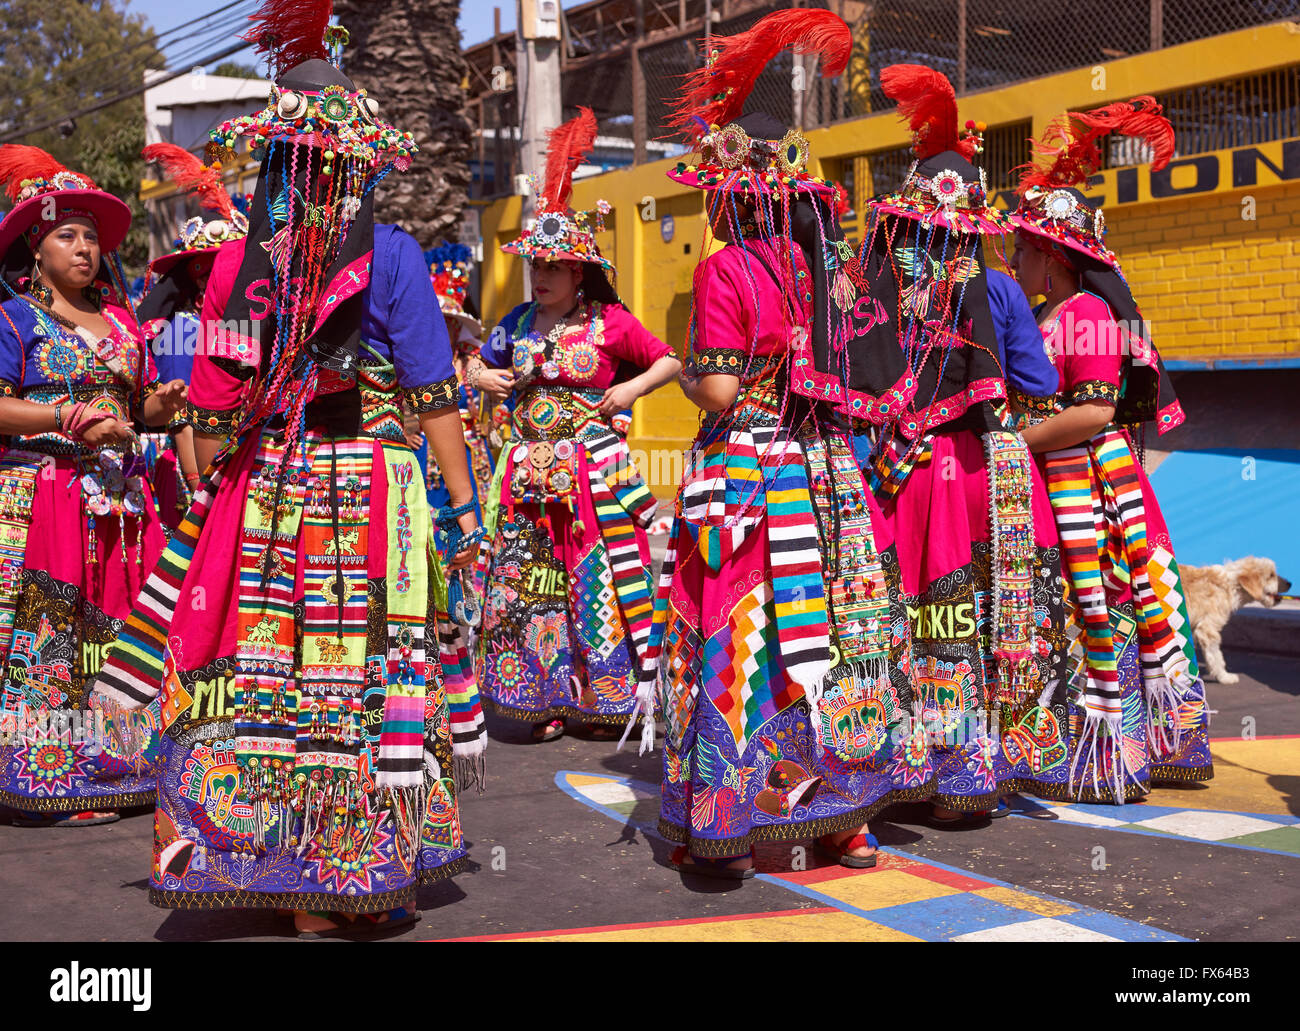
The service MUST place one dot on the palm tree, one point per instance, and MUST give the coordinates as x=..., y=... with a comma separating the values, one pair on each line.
x=407, y=55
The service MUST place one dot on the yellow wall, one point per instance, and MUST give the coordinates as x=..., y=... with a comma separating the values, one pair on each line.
x=1212, y=283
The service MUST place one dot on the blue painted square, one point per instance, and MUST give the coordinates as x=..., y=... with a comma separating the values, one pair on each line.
x=1118, y=927
x=1127, y=813
x=942, y=919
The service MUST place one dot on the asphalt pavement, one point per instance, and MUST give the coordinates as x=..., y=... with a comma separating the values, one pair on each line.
x=545, y=862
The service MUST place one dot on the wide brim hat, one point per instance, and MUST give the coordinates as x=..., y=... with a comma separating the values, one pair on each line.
x=556, y=236
x=1051, y=206
x=1065, y=217
x=943, y=187
x=559, y=233
x=111, y=216
x=753, y=153
x=205, y=238
x=947, y=191
x=736, y=159
x=202, y=234
x=315, y=104
x=451, y=309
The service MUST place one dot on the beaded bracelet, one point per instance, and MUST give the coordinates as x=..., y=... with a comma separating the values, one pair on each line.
x=58, y=417
x=450, y=535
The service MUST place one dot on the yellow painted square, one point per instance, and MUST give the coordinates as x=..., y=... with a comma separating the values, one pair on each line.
x=579, y=780
x=1028, y=903
x=882, y=888
x=811, y=927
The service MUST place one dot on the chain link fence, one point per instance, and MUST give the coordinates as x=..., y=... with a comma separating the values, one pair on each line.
x=978, y=44
x=665, y=64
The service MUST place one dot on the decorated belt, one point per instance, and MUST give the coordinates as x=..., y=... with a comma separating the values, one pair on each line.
x=542, y=471
x=348, y=414
x=560, y=413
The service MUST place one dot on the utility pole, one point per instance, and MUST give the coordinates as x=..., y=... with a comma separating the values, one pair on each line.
x=537, y=45
x=537, y=94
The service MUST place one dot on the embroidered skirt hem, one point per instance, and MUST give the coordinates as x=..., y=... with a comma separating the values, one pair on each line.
x=322, y=901
x=816, y=827
x=76, y=803
x=558, y=712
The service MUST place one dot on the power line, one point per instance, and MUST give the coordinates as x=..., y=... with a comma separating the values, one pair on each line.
x=18, y=134
x=151, y=41
x=192, y=51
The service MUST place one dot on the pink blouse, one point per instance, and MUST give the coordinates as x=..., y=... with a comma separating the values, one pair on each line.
x=739, y=308
x=586, y=356
x=1088, y=350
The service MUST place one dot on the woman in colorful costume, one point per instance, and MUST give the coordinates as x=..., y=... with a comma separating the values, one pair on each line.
x=1138, y=713
x=778, y=656
x=977, y=547
x=169, y=312
x=567, y=610
x=448, y=274
x=308, y=744
x=80, y=533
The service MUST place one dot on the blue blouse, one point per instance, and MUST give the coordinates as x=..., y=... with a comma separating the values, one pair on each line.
x=1025, y=363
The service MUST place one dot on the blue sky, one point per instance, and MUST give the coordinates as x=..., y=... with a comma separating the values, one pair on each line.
x=475, y=15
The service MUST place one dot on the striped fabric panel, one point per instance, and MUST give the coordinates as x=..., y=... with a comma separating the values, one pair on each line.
x=265, y=663
x=651, y=655
x=631, y=577
x=796, y=566
x=1160, y=650
x=401, y=736
x=1080, y=519
x=468, y=729
x=133, y=668
x=609, y=453
x=17, y=491
x=333, y=657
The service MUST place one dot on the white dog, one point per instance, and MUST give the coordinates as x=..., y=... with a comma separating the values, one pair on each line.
x=1214, y=593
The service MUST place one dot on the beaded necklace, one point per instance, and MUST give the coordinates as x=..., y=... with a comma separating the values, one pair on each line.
x=529, y=345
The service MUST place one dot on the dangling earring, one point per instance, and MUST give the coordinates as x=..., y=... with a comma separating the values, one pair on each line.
x=1049, y=282
x=41, y=293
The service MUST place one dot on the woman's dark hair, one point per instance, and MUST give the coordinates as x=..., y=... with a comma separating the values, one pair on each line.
x=595, y=285
x=1098, y=278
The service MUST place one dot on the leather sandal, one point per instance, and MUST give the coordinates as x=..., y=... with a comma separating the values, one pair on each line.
x=840, y=852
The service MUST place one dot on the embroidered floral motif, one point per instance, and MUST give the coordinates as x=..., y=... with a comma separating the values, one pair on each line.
x=1094, y=390
x=1037, y=408
x=433, y=397
x=217, y=421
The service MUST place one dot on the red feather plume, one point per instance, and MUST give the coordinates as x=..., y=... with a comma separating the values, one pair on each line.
x=928, y=103
x=191, y=175
x=566, y=146
x=715, y=94
x=1068, y=152
x=290, y=31
x=841, y=200
x=19, y=162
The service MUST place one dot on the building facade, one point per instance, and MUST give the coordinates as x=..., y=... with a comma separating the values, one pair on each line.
x=1211, y=244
